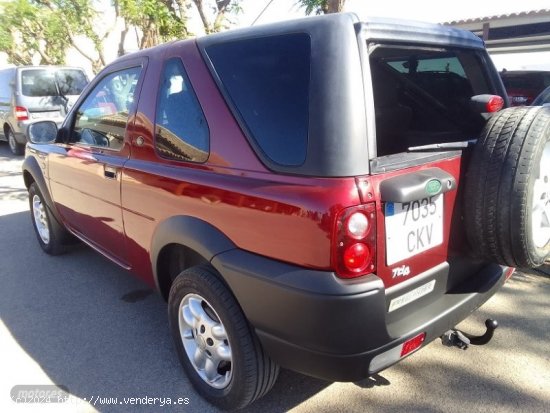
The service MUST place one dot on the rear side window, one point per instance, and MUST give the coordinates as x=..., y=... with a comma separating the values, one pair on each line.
x=6, y=77
x=267, y=80
x=181, y=130
x=52, y=82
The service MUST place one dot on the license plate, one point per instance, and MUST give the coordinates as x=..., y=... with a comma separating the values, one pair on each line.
x=411, y=296
x=413, y=227
x=42, y=115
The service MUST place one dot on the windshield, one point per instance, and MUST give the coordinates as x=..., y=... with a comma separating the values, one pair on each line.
x=52, y=82
x=422, y=95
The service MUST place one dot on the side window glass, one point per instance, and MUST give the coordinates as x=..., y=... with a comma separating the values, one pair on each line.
x=102, y=117
x=181, y=130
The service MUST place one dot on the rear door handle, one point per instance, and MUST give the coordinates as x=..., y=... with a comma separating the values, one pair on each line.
x=110, y=172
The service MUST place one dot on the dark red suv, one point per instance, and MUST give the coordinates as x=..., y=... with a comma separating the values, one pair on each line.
x=523, y=86
x=326, y=195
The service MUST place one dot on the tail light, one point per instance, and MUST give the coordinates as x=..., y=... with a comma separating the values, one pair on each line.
x=354, y=242
x=508, y=272
x=21, y=113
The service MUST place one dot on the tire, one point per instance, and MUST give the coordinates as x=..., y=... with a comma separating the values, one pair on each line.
x=507, y=189
x=16, y=148
x=51, y=235
x=204, y=316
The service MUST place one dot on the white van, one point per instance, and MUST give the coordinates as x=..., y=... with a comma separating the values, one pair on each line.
x=32, y=93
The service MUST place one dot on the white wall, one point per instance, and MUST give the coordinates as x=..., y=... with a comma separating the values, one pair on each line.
x=522, y=61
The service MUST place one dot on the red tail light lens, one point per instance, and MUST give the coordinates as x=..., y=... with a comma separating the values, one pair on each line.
x=509, y=271
x=357, y=257
x=494, y=104
x=354, y=242
x=21, y=113
x=410, y=345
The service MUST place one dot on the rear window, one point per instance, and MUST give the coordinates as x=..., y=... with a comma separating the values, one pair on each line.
x=52, y=82
x=267, y=80
x=422, y=95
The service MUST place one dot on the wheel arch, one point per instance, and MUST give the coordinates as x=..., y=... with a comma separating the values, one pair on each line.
x=5, y=128
x=181, y=242
x=32, y=173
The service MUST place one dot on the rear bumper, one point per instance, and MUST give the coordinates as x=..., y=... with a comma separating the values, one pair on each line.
x=315, y=323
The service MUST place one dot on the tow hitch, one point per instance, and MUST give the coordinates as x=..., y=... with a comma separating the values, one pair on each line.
x=462, y=340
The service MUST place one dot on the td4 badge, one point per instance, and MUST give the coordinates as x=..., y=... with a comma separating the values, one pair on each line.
x=401, y=271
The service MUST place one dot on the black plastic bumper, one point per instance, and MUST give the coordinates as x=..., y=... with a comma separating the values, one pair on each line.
x=323, y=326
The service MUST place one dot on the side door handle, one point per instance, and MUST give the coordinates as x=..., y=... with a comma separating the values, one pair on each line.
x=110, y=172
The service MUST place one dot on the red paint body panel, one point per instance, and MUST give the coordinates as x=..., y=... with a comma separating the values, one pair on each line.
x=283, y=217
x=427, y=259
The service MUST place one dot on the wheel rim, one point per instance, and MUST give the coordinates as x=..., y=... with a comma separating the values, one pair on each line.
x=541, y=201
x=205, y=341
x=12, y=142
x=40, y=219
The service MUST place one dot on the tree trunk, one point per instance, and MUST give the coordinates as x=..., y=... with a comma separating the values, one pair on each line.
x=333, y=6
x=205, y=23
x=123, y=33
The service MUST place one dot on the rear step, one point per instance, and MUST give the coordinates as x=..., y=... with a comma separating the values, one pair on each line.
x=462, y=340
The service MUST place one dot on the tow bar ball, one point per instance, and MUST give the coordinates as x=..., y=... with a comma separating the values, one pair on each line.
x=462, y=340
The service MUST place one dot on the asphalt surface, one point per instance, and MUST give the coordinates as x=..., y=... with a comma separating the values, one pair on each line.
x=79, y=321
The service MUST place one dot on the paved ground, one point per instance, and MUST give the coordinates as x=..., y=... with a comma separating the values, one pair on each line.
x=79, y=321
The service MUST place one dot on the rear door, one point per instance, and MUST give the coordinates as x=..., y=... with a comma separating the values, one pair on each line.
x=424, y=123
x=85, y=174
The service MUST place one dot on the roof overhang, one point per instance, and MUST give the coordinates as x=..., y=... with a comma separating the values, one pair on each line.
x=511, y=33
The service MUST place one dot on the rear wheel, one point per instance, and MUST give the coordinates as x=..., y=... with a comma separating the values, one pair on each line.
x=507, y=195
x=217, y=347
x=15, y=147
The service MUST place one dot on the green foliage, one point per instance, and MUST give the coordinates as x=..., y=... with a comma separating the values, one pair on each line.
x=159, y=21
x=312, y=5
x=26, y=29
x=321, y=6
x=49, y=27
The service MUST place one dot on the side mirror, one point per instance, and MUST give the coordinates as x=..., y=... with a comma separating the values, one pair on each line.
x=42, y=132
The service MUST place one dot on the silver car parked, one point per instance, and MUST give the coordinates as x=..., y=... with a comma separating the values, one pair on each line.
x=32, y=93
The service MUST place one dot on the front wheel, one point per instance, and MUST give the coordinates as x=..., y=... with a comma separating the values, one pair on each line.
x=216, y=346
x=50, y=234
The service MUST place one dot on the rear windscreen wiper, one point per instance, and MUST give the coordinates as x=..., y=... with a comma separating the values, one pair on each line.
x=443, y=146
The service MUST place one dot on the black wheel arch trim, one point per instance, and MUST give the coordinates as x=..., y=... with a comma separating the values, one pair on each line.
x=31, y=166
x=194, y=233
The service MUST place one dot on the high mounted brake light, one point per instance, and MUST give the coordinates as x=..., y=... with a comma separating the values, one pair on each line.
x=486, y=103
x=494, y=104
x=354, y=242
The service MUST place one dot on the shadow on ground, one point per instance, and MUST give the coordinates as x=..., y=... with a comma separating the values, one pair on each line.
x=97, y=330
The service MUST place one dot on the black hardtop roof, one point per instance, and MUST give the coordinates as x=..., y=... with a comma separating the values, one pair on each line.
x=373, y=28
x=340, y=138
x=396, y=30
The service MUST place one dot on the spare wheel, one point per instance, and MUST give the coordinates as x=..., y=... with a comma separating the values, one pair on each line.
x=507, y=189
